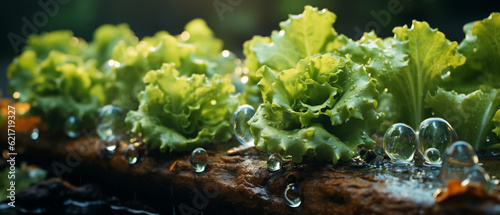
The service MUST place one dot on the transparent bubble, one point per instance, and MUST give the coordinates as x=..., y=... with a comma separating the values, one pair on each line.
x=111, y=124
x=457, y=159
x=435, y=133
x=292, y=197
x=35, y=134
x=131, y=154
x=110, y=145
x=400, y=142
x=433, y=155
x=477, y=176
x=274, y=162
x=199, y=159
x=240, y=124
x=72, y=127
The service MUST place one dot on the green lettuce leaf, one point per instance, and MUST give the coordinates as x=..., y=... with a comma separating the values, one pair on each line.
x=410, y=65
x=378, y=56
x=324, y=107
x=181, y=113
x=479, y=80
x=481, y=48
x=469, y=114
x=300, y=36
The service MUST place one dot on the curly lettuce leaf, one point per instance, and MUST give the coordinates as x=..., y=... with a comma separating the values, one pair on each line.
x=300, y=36
x=470, y=114
x=324, y=106
x=56, y=87
x=378, y=56
x=181, y=113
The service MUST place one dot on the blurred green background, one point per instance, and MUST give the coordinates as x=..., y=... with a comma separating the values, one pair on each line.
x=234, y=21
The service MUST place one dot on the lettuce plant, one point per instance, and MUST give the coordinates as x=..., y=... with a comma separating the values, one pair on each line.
x=179, y=113
x=324, y=107
x=52, y=76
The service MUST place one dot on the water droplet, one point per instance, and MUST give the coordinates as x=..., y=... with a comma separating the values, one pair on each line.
x=131, y=154
x=435, y=133
x=199, y=159
x=35, y=133
x=72, y=127
x=457, y=159
x=400, y=142
x=110, y=145
x=476, y=176
x=292, y=197
x=111, y=124
x=240, y=124
x=433, y=155
x=274, y=162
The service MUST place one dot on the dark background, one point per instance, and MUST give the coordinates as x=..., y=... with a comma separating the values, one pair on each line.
x=241, y=19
